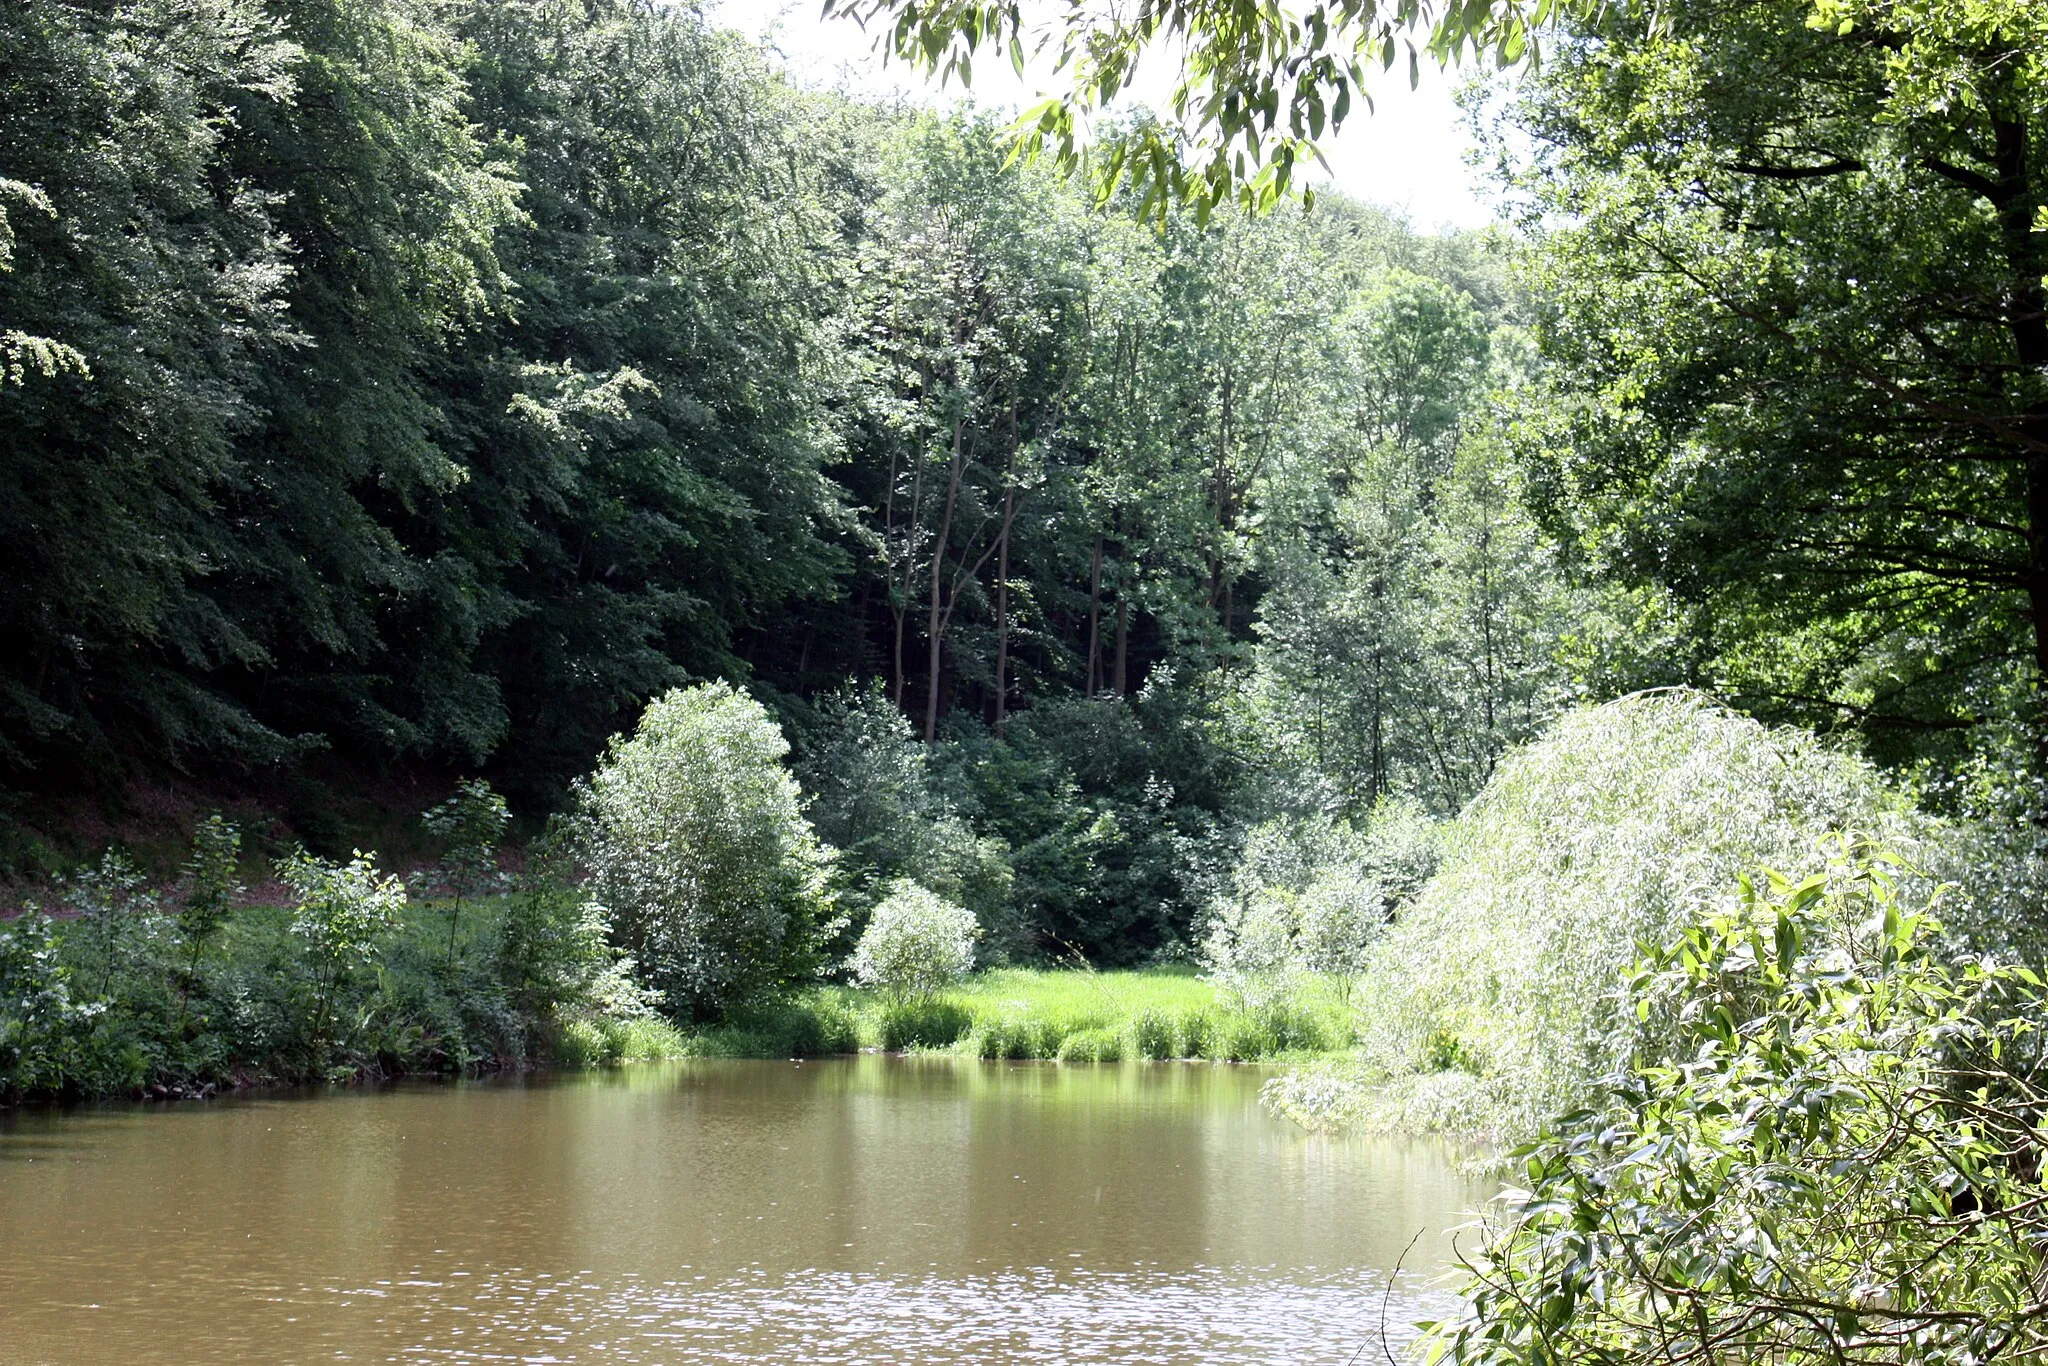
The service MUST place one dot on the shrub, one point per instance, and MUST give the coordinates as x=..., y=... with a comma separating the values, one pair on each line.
x=1840, y=1163
x=1249, y=950
x=340, y=912
x=1194, y=1034
x=1276, y=1028
x=873, y=797
x=1335, y=919
x=1009, y=1036
x=1242, y=1037
x=1321, y=1099
x=118, y=918
x=581, y=1043
x=469, y=825
x=1306, y=899
x=211, y=881
x=781, y=1029
x=916, y=944
x=1624, y=824
x=40, y=1020
x=1109, y=809
x=549, y=952
x=697, y=849
x=598, y=1041
x=339, y=984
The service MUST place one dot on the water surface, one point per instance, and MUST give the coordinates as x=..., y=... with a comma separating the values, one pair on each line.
x=857, y=1210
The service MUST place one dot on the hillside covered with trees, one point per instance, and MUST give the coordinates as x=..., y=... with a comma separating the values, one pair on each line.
x=393, y=389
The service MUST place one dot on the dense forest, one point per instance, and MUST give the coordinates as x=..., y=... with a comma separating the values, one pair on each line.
x=409, y=386
x=1581, y=680
x=394, y=388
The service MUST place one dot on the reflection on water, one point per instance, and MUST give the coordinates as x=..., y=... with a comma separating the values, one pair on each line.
x=859, y=1210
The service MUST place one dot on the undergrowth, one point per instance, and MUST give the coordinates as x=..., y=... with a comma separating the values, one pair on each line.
x=118, y=1002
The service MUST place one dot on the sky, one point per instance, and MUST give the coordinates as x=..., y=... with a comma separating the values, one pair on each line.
x=1407, y=153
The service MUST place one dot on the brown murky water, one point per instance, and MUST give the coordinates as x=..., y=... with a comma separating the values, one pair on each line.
x=859, y=1210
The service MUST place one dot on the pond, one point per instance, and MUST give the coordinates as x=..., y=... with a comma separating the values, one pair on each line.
x=871, y=1209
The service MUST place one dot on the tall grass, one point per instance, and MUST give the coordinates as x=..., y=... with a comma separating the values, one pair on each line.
x=1073, y=1016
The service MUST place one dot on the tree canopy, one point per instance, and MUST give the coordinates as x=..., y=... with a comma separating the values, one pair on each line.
x=1793, y=295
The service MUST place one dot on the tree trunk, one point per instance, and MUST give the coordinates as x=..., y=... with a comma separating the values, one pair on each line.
x=1486, y=610
x=1221, y=496
x=899, y=598
x=936, y=624
x=1095, y=621
x=1123, y=634
x=896, y=657
x=2027, y=257
x=1003, y=613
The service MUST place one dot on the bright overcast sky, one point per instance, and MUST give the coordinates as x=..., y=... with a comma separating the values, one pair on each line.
x=1407, y=154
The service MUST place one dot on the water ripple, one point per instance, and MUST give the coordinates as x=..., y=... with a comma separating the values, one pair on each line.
x=821, y=1318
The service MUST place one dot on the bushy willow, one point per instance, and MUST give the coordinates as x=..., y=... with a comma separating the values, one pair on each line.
x=1493, y=1000
x=698, y=851
x=1842, y=1163
x=916, y=944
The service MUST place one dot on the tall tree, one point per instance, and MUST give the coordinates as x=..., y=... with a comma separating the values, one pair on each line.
x=392, y=205
x=142, y=284
x=973, y=285
x=643, y=429
x=1796, y=305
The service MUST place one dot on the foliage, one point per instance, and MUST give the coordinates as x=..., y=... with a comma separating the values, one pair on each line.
x=698, y=851
x=872, y=794
x=142, y=278
x=1835, y=1160
x=340, y=912
x=469, y=825
x=119, y=916
x=350, y=982
x=1092, y=1045
x=1258, y=86
x=1156, y=1013
x=552, y=955
x=602, y=1041
x=1308, y=898
x=644, y=436
x=791, y=1028
x=212, y=880
x=922, y=1024
x=1412, y=626
x=1623, y=825
x=1250, y=949
x=916, y=944
x=40, y=1020
x=285, y=468
x=432, y=386
x=1112, y=814
x=1791, y=287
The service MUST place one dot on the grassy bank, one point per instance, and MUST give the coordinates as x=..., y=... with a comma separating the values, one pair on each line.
x=1065, y=1014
